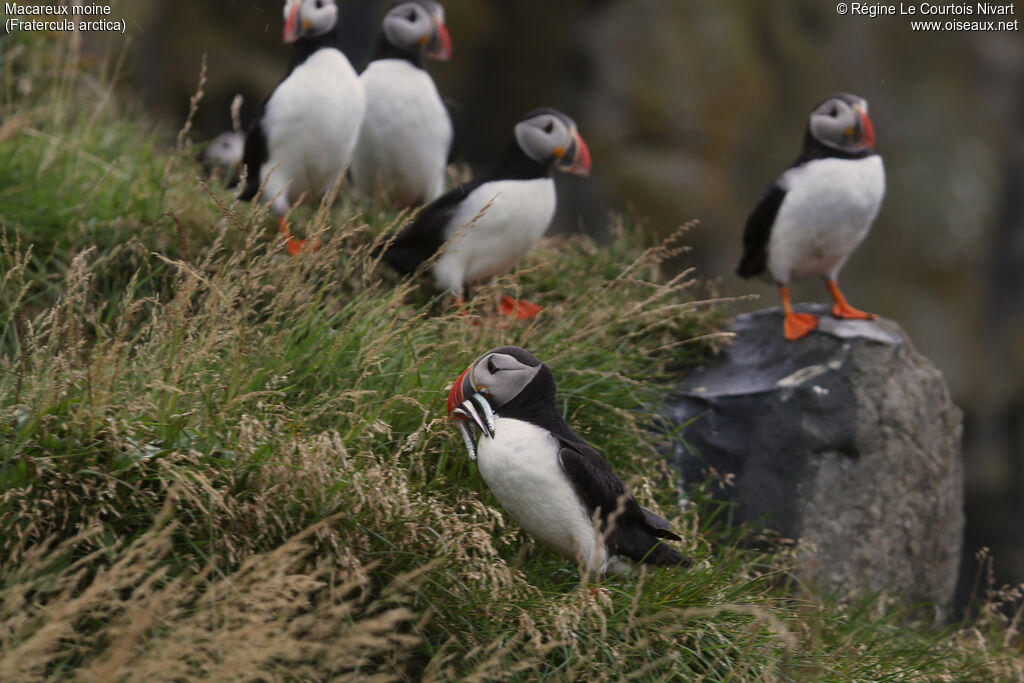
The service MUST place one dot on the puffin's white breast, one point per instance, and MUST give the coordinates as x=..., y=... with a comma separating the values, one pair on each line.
x=519, y=213
x=406, y=135
x=827, y=211
x=311, y=123
x=521, y=467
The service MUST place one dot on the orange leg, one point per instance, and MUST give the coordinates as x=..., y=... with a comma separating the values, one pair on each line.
x=796, y=325
x=518, y=309
x=292, y=245
x=843, y=309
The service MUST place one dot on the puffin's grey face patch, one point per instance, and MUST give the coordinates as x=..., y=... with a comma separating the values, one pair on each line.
x=836, y=123
x=501, y=377
x=408, y=26
x=226, y=149
x=540, y=136
x=316, y=16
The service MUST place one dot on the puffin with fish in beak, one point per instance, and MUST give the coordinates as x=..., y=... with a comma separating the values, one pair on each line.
x=553, y=483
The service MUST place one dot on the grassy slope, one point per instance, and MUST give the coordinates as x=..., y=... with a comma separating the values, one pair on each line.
x=217, y=461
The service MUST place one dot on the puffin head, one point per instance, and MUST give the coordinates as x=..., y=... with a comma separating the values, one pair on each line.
x=225, y=150
x=841, y=122
x=550, y=137
x=308, y=18
x=418, y=25
x=493, y=380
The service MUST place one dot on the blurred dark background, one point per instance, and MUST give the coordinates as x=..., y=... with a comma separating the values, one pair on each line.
x=690, y=109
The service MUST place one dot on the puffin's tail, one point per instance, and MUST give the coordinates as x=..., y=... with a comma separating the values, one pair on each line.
x=664, y=556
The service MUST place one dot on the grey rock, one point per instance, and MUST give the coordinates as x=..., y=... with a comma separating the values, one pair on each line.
x=846, y=441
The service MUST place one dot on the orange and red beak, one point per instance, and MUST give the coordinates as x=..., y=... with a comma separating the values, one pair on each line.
x=292, y=25
x=475, y=409
x=440, y=45
x=576, y=159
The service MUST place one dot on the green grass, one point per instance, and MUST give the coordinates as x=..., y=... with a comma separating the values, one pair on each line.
x=220, y=462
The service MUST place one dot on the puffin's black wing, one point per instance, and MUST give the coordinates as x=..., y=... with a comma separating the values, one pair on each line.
x=254, y=154
x=759, y=230
x=599, y=487
x=637, y=529
x=420, y=239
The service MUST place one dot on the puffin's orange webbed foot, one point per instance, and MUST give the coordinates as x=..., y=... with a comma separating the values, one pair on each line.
x=518, y=308
x=292, y=245
x=799, y=325
x=843, y=309
x=796, y=325
x=849, y=312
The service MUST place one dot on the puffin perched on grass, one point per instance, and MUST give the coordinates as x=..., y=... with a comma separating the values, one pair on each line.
x=308, y=127
x=812, y=217
x=406, y=135
x=500, y=215
x=551, y=481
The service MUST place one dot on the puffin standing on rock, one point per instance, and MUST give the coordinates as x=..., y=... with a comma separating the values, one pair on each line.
x=307, y=129
x=406, y=134
x=814, y=215
x=501, y=215
x=555, y=485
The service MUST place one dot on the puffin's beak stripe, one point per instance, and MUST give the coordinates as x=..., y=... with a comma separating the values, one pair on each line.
x=577, y=156
x=867, y=131
x=440, y=42
x=456, y=396
x=291, y=24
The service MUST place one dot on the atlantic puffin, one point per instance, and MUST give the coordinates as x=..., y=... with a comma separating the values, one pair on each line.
x=554, y=484
x=406, y=136
x=501, y=214
x=303, y=139
x=812, y=217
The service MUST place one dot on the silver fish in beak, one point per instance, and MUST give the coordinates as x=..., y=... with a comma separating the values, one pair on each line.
x=475, y=410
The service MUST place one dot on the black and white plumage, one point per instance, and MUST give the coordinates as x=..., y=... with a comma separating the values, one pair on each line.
x=555, y=485
x=406, y=135
x=305, y=134
x=813, y=216
x=501, y=214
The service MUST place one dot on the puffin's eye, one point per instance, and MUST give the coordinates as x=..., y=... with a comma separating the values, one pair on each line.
x=549, y=126
x=491, y=367
x=834, y=112
x=411, y=16
x=319, y=4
